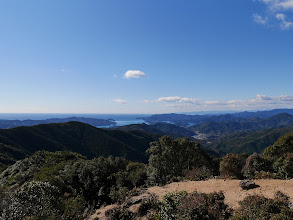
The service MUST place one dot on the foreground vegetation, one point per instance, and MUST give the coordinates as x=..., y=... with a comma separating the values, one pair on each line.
x=66, y=185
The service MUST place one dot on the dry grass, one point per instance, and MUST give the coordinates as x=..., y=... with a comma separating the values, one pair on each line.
x=233, y=193
x=231, y=189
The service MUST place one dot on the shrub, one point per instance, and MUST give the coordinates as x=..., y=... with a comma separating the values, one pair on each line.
x=119, y=213
x=230, y=166
x=255, y=163
x=149, y=204
x=34, y=200
x=169, y=158
x=204, y=206
x=198, y=173
x=118, y=195
x=283, y=166
x=169, y=204
x=259, y=207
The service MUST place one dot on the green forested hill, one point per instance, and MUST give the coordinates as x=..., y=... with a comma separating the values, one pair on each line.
x=252, y=124
x=246, y=142
x=17, y=143
x=159, y=129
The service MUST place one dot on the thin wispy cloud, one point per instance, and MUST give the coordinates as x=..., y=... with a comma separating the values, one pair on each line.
x=284, y=23
x=136, y=74
x=279, y=12
x=259, y=19
x=120, y=101
x=147, y=101
x=258, y=102
x=178, y=99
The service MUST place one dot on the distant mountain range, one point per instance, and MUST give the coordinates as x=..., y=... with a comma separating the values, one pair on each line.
x=4, y=124
x=187, y=120
x=18, y=143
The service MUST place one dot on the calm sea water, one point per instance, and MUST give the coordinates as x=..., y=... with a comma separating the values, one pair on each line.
x=120, y=119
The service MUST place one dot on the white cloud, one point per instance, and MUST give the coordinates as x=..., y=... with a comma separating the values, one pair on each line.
x=287, y=4
x=277, y=12
x=114, y=76
x=121, y=101
x=147, y=101
x=178, y=99
x=134, y=74
x=284, y=23
x=259, y=19
x=256, y=103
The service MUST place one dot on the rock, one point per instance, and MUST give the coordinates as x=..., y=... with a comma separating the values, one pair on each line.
x=247, y=184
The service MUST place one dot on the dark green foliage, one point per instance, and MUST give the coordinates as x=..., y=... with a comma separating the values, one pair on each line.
x=18, y=143
x=255, y=164
x=244, y=142
x=173, y=130
x=159, y=129
x=241, y=125
x=259, y=208
x=93, y=178
x=171, y=201
x=282, y=146
x=41, y=200
x=140, y=127
x=42, y=166
x=80, y=183
x=169, y=158
x=230, y=166
x=280, y=156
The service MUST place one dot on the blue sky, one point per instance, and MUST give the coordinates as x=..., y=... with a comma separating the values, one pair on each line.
x=145, y=56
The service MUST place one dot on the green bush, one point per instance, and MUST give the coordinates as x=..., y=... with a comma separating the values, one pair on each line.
x=283, y=166
x=171, y=158
x=230, y=166
x=254, y=165
x=34, y=200
x=169, y=205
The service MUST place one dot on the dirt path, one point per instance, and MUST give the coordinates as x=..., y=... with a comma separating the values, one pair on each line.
x=233, y=193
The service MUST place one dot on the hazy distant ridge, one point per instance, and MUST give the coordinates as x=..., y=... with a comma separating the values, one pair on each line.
x=4, y=124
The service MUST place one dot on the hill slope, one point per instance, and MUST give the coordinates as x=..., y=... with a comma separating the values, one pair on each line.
x=253, y=124
x=245, y=142
x=4, y=124
x=17, y=143
x=159, y=129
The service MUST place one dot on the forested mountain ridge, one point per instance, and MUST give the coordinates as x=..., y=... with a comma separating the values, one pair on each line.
x=244, y=142
x=186, y=120
x=160, y=129
x=17, y=143
x=252, y=124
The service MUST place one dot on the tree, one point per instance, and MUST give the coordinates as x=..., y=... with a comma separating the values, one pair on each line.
x=169, y=158
x=230, y=166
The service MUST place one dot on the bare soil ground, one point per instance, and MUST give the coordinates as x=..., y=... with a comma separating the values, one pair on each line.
x=233, y=193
